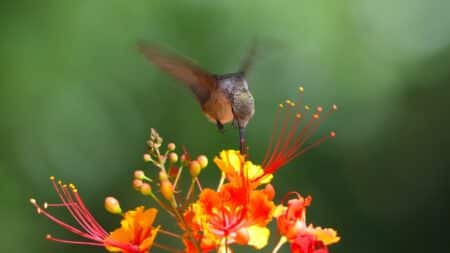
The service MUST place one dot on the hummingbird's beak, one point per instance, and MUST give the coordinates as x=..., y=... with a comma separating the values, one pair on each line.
x=242, y=140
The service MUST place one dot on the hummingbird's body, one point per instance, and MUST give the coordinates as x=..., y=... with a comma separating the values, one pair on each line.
x=231, y=100
x=223, y=98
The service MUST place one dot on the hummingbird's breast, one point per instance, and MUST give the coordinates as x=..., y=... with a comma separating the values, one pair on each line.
x=218, y=107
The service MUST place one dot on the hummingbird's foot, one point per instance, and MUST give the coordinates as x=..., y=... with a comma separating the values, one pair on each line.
x=220, y=126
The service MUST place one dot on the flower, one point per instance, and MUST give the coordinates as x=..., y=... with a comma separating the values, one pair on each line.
x=136, y=229
x=289, y=140
x=291, y=221
x=238, y=170
x=236, y=212
x=135, y=236
x=230, y=215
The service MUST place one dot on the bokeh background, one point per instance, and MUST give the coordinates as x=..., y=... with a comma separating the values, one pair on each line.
x=77, y=101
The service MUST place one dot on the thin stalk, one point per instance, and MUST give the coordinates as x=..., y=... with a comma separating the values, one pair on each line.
x=279, y=244
x=167, y=248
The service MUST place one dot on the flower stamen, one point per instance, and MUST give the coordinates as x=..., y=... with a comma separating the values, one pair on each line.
x=290, y=143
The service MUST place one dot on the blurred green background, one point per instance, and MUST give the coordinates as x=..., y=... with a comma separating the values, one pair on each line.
x=77, y=101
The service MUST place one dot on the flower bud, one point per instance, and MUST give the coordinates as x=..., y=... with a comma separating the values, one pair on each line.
x=173, y=157
x=194, y=168
x=173, y=171
x=139, y=174
x=171, y=146
x=203, y=160
x=163, y=176
x=167, y=189
x=137, y=183
x=145, y=189
x=112, y=205
x=147, y=157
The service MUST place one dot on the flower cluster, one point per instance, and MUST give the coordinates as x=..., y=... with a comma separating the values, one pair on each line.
x=237, y=210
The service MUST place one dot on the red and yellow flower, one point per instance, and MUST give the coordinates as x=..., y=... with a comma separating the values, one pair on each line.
x=237, y=212
x=291, y=221
x=136, y=234
x=136, y=229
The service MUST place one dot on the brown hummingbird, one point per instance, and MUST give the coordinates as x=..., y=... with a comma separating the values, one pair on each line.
x=223, y=98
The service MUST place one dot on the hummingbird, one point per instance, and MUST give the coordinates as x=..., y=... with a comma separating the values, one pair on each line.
x=223, y=98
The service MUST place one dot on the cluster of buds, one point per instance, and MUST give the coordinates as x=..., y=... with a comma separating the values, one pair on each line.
x=236, y=211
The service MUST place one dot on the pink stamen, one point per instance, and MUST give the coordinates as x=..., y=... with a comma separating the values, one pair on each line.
x=82, y=216
x=51, y=238
x=91, y=229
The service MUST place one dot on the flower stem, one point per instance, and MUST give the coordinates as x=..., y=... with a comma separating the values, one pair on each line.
x=180, y=170
x=222, y=180
x=191, y=189
x=279, y=244
x=160, y=203
x=162, y=231
x=167, y=248
x=185, y=227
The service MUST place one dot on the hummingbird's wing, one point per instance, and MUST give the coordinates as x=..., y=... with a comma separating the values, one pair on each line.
x=199, y=81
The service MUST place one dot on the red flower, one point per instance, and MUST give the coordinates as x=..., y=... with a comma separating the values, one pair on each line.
x=306, y=243
x=291, y=221
x=231, y=215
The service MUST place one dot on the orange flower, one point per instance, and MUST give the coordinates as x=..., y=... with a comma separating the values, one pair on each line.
x=136, y=229
x=135, y=236
x=231, y=215
x=291, y=221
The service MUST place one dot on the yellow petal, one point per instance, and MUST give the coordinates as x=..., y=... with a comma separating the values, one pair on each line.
x=234, y=159
x=326, y=235
x=255, y=171
x=259, y=236
x=279, y=210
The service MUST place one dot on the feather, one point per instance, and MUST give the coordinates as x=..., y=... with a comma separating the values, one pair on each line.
x=199, y=81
